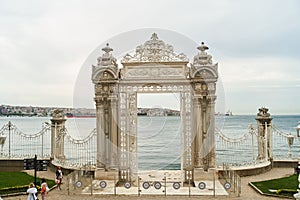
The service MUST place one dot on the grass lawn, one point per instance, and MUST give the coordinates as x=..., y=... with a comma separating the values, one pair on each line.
x=11, y=182
x=286, y=186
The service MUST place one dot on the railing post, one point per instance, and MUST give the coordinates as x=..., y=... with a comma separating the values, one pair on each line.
x=214, y=182
x=9, y=139
x=115, y=189
x=35, y=168
x=189, y=187
x=252, y=142
x=91, y=185
x=43, y=141
x=138, y=185
x=68, y=185
x=165, y=184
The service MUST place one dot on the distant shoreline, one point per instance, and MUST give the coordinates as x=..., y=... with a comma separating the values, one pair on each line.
x=236, y=115
x=36, y=111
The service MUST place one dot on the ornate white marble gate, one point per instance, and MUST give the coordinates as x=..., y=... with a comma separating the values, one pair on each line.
x=154, y=68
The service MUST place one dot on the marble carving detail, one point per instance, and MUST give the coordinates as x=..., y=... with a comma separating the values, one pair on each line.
x=154, y=50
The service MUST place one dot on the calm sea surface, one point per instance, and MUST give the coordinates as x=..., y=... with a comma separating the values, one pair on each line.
x=159, y=139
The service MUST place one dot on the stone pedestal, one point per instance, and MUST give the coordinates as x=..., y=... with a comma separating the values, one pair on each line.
x=57, y=135
x=101, y=174
x=264, y=125
x=201, y=175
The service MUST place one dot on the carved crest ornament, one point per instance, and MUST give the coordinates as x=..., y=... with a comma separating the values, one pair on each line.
x=155, y=50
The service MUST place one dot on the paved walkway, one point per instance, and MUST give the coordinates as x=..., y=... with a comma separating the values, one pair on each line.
x=247, y=191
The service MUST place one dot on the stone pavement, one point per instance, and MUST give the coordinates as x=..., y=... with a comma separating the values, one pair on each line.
x=248, y=193
x=160, y=183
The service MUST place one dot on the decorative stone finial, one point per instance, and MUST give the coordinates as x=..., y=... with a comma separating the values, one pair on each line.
x=154, y=36
x=58, y=114
x=263, y=112
x=202, y=58
x=107, y=59
x=107, y=49
x=203, y=47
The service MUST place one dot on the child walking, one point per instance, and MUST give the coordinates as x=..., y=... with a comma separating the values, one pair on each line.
x=44, y=189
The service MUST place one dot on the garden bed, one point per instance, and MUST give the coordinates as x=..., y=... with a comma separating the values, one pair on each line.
x=282, y=187
x=17, y=182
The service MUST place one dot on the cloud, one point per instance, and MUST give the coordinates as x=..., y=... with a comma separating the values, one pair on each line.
x=260, y=69
x=44, y=44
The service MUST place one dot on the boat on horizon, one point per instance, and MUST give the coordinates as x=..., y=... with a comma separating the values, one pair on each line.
x=79, y=115
x=228, y=113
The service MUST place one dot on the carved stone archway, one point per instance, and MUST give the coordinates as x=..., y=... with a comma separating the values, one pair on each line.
x=154, y=68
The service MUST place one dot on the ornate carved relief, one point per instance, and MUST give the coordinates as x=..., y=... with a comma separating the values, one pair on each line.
x=207, y=72
x=204, y=74
x=132, y=133
x=153, y=72
x=154, y=50
x=211, y=86
x=187, y=135
x=105, y=89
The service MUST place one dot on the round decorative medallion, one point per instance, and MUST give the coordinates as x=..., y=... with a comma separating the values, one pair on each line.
x=202, y=186
x=146, y=185
x=127, y=185
x=78, y=184
x=157, y=185
x=176, y=185
x=103, y=184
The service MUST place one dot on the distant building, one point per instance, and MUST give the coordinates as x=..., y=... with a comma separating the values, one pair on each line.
x=157, y=112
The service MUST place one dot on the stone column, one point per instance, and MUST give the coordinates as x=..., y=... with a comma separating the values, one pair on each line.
x=198, y=136
x=107, y=134
x=57, y=135
x=205, y=113
x=205, y=139
x=211, y=156
x=114, y=134
x=53, y=134
x=132, y=143
x=100, y=133
x=264, y=125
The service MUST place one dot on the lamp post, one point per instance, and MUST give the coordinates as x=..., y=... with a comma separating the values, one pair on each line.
x=298, y=135
x=297, y=195
x=290, y=139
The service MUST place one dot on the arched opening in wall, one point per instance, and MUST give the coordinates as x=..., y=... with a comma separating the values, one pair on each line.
x=158, y=131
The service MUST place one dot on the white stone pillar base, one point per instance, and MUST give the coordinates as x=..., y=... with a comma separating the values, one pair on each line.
x=201, y=175
x=101, y=174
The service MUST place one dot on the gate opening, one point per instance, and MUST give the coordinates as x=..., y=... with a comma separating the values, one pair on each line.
x=158, y=131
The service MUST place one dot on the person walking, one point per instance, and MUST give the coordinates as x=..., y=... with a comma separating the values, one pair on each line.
x=44, y=189
x=59, y=177
x=31, y=192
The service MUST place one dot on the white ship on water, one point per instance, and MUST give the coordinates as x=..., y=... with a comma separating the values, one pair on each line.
x=228, y=113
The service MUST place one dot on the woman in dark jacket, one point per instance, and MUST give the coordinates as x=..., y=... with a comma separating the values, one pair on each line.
x=59, y=176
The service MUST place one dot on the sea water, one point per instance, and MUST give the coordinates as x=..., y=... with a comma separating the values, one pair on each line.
x=159, y=139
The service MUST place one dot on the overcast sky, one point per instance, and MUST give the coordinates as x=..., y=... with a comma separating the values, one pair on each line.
x=44, y=45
